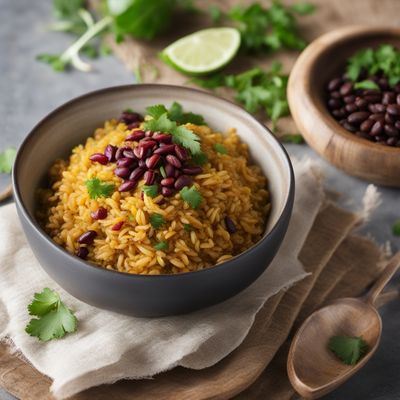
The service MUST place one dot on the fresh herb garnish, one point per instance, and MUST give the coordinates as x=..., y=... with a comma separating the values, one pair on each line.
x=396, y=228
x=303, y=8
x=55, y=318
x=385, y=59
x=187, y=227
x=175, y=113
x=216, y=14
x=191, y=196
x=7, y=158
x=294, y=138
x=199, y=158
x=156, y=220
x=256, y=89
x=348, y=349
x=162, y=172
x=97, y=188
x=163, y=245
x=220, y=148
x=151, y=190
x=367, y=84
x=180, y=135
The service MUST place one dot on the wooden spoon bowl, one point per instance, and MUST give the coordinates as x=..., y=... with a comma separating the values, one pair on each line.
x=322, y=60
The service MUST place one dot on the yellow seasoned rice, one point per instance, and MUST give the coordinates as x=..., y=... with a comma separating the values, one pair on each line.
x=229, y=184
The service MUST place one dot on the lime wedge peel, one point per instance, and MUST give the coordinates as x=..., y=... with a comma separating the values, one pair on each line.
x=204, y=51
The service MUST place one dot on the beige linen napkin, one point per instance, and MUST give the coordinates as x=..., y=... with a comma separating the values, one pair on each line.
x=107, y=346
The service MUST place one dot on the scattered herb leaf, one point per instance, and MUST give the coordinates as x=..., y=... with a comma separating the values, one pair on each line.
x=55, y=319
x=191, y=196
x=199, y=158
x=163, y=245
x=176, y=114
x=187, y=227
x=156, y=220
x=396, y=228
x=97, y=188
x=367, y=84
x=151, y=190
x=220, y=148
x=162, y=172
x=292, y=138
x=303, y=8
x=216, y=14
x=348, y=349
x=7, y=158
x=156, y=111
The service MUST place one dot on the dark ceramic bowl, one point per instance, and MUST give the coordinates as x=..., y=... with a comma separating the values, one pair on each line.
x=141, y=295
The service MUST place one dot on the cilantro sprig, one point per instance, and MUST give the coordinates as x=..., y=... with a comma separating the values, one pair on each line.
x=385, y=59
x=54, y=320
x=151, y=190
x=156, y=220
x=163, y=245
x=97, y=188
x=220, y=148
x=348, y=349
x=175, y=113
x=191, y=196
x=256, y=89
x=7, y=158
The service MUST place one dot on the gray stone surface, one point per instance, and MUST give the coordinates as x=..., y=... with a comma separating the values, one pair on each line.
x=29, y=90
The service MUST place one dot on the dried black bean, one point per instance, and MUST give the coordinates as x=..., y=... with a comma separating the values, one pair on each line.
x=390, y=130
x=388, y=98
x=377, y=128
x=393, y=109
x=367, y=125
x=334, y=104
x=349, y=99
x=346, y=88
x=357, y=117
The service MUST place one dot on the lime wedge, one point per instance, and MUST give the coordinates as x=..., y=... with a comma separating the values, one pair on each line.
x=204, y=51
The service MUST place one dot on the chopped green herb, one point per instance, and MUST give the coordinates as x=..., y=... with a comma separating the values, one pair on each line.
x=90, y=51
x=151, y=190
x=163, y=245
x=187, y=227
x=105, y=50
x=191, y=196
x=348, y=349
x=7, y=158
x=162, y=172
x=220, y=148
x=200, y=158
x=55, y=319
x=176, y=113
x=156, y=111
x=396, y=228
x=156, y=220
x=303, y=8
x=292, y=138
x=367, y=84
x=385, y=59
x=97, y=188
x=180, y=134
x=216, y=14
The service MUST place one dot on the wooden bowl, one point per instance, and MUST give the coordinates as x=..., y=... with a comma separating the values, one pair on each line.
x=318, y=63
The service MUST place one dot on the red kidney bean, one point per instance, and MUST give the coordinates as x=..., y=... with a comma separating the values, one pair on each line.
x=138, y=152
x=136, y=174
x=152, y=161
x=149, y=177
x=82, y=252
x=100, y=213
x=125, y=162
x=349, y=99
x=167, y=149
x=100, y=158
x=122, y=172
x=109, y=152
x=169, y=170
x=127, y=186
x=334, y=84
x=361, y=103
x=377, y=128
x=87, y=237
x=134, y=125
x=182, y=181
x=173, y=160
x=192, y=170
x=163, y=137
x=149, y=133
x=117, y=226
x=357, y=117
x=135, y=136
x=350, y=108
x=166, y=191
x=120, y=152
x=390, y=130
x=148, y=144
x=181, y=153
x=393, y=109
x=367, y=125
x=388, y=98
x=349, y=127
x=177, y=173
x=142, y=163
x=130, y=116
x=346, y=88
x=167, y=181
x=129, y=153
x=334, y=104
x=398, y=99
x=230, y=225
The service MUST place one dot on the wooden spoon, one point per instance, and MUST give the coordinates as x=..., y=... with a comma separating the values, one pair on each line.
x=6, y=193
x=312, y=368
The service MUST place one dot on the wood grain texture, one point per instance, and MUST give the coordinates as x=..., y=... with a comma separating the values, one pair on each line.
x=322, y=60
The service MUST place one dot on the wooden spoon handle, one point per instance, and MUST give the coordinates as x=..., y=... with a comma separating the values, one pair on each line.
x=6, y=193
x=387, y=297
x=385, y=277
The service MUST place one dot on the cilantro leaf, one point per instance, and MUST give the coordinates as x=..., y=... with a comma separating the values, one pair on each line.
x=303, y=8
x=156, y=111
x=187, y=227
x=176, y=113
x=55, y=319
x=191, y=196
x=292, y=138
x=96, y=188
x=163, y=245
x=156, y=220
x=220, y=148
x=216, y=14
x=54, y=60
x=348, y=349
x=199, y=158
x=367, y=84
x=150, y=191
x=396, y=228
x=7, y=158
x=162, y=172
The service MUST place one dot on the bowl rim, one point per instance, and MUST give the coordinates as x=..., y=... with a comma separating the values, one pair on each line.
x=311, y=55
x=288, y=202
